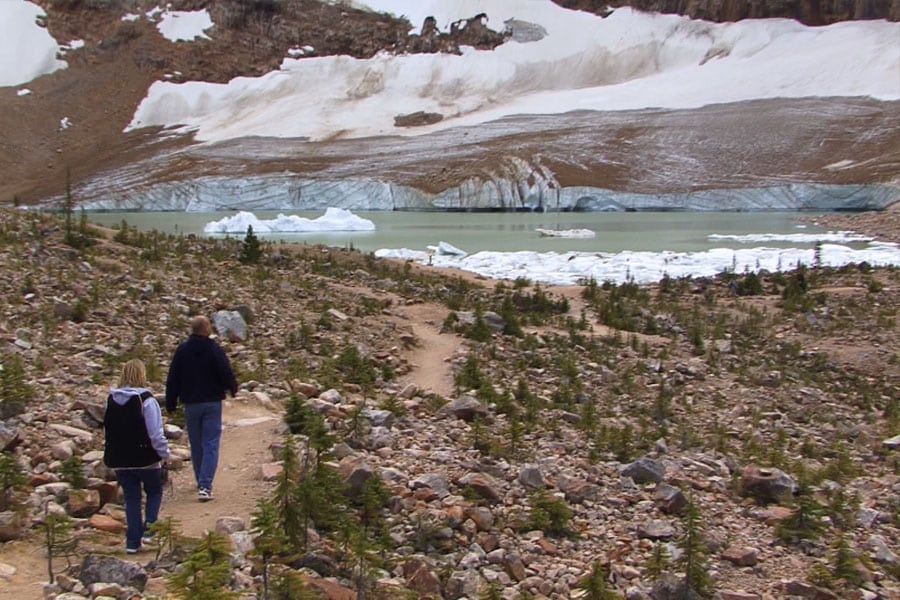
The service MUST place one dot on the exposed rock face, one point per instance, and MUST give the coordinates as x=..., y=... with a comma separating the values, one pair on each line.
x=810, y=12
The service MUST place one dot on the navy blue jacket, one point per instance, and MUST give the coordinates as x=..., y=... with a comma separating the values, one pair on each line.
x=199, y=372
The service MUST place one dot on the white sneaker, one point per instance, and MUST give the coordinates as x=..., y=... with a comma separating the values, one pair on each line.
x=204, y=495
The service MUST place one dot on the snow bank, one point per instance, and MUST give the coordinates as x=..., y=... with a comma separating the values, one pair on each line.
x=629, y=60
x=27, y=50
x=184, y=26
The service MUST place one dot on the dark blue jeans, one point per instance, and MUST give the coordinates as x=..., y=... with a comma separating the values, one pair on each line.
x=204, y=427
x=131, y=481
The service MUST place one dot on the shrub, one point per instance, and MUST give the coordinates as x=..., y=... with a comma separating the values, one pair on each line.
x=206, y=571
x=12, y=479
x=15, y=392
x=549, y=514
x=251, y=251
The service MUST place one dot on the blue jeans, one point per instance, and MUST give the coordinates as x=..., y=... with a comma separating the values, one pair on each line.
x=131, y=481
x=204, y=427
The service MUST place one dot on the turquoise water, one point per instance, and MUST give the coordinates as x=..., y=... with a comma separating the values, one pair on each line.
x=508, y=232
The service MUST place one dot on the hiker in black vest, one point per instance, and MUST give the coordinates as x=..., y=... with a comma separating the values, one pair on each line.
x=135, y=447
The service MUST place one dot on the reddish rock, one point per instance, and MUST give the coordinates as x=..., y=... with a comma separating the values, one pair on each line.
x=330, y=590
x=37, y=479
x=728, y=595
x=83, y=503
x=109, y=492
x=421, y=580
x=106, y=523
x=546, y=545
x=425, y=494
x=767, y=485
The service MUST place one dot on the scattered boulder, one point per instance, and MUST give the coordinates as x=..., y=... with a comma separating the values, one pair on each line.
x=418, y=119
x=767, y=485
x=97, y=568
x=230, y=325
x=669, y=499
x=741, y=556
x=644, y=470
x=82, y=503
x=482, y=484
x=531, y=478
x=13, y=525
x=466, y=407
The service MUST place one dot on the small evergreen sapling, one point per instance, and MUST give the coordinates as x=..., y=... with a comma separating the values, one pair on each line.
x=205, y=572
x=693, y=559
x=659, y=562
x=549, y=514
x=595, y=585
x=269, y=538
x=12, y=480
x=58, y=538
x=251, y=250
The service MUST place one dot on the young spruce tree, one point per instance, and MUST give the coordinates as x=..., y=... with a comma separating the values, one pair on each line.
x=693, y=559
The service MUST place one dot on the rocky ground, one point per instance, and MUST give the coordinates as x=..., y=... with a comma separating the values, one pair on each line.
x=516, y=459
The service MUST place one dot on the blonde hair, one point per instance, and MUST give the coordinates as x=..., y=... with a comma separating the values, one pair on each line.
x=134, y=374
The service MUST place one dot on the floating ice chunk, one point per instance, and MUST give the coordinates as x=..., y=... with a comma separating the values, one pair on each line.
x=571, y=268
x=334, y=219
x=794, y=238
x=566, y=233
x=445, y=249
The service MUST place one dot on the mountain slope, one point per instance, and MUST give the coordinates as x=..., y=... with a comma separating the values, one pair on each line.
x=733, y=145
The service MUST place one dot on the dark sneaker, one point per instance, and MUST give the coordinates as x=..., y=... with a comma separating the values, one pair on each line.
x=204, y=495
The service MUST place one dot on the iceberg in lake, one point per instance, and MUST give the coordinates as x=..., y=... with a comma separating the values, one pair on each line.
x=334, y=219
x=566, y=233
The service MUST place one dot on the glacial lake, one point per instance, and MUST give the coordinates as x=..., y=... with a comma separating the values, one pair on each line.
x=512, y=232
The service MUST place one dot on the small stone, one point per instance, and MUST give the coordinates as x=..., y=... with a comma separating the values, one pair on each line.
x=742, y=557
x=106, y=523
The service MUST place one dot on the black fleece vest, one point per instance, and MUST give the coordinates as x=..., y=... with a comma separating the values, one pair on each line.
x=127, y=442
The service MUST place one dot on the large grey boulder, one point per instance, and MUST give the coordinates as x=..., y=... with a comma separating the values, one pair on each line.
x=231, y=325
x=644, y=470
x=97, y=568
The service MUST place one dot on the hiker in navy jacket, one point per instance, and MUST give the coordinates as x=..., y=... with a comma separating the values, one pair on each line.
x=135, y=447
x=199, y=377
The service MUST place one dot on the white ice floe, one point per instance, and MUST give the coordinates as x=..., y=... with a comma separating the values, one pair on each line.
x=571, y=268
x=567, y=233
x=334, y=219
x=445, y=249
x=793, y=238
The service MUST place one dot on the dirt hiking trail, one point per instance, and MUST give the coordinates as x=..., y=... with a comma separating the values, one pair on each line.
x=248, y=429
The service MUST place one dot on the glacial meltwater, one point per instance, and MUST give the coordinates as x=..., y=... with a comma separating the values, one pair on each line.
x=639, y=246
